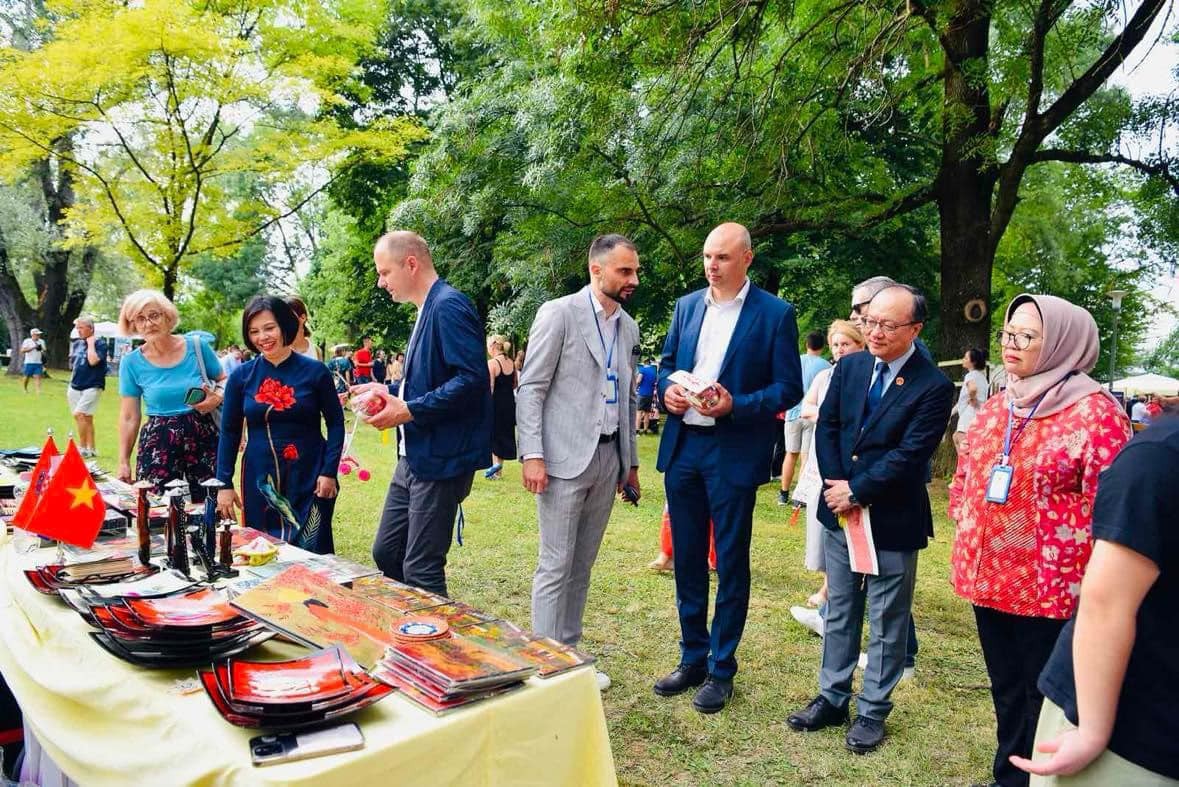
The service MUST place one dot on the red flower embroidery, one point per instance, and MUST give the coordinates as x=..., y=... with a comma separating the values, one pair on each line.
x=290, y=453
x=273, y=393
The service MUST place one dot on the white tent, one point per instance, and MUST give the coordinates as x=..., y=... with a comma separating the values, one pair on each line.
x=1148, y=383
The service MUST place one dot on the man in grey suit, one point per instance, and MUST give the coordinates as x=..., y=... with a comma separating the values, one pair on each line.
x=575, y=415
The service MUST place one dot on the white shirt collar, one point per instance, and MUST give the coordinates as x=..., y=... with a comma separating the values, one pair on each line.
x=740, y=299
x=895, y=365
x=599, y=310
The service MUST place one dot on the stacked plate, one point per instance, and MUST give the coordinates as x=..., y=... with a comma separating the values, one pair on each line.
x=293, y=694
x=420, y=628
x=52, y=578
x=183, y=629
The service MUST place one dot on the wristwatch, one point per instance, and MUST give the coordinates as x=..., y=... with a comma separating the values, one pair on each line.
x=851, y=497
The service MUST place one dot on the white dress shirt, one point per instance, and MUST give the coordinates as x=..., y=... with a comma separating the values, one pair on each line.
x=716, y=331
x=409, y=347
x=609, y=327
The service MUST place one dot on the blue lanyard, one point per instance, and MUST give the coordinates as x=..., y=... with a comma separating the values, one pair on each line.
x=601, y=336
x=1008, y=439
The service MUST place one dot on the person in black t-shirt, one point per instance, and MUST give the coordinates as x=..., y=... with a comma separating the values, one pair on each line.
x=1111, y=685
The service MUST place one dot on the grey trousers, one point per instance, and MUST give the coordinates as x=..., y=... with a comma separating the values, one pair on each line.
x=572, y=513
x=890, y=601
x=415, y=530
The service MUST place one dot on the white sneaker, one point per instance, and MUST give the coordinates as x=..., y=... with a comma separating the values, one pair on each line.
x=603, y=681
x=809, y=618
x=907, y=674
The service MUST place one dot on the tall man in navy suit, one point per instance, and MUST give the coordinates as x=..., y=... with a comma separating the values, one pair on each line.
x=715, y=457
x=885, y=412
x=443, y=409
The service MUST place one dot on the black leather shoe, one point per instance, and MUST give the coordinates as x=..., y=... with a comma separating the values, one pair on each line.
x=819, y=714
x=865, y=735
x=682, y=678
x=713, y=695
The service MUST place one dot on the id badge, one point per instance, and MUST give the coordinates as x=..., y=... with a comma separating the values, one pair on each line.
x=610, y=389
x=1000, y=484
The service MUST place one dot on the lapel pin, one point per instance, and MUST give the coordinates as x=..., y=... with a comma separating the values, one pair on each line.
x=900, y=381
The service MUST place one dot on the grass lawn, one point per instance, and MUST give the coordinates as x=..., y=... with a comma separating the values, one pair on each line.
x=941, y=731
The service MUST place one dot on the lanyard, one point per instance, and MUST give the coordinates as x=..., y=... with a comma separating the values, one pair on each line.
x=1008, y=439
x=601, y=336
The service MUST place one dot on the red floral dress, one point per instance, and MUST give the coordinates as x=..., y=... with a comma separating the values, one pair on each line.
x=1027, y=556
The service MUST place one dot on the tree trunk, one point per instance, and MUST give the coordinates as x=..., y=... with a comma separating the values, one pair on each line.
x=13, y=309
x=966, y=181
x=169, y=288
x=62, y=281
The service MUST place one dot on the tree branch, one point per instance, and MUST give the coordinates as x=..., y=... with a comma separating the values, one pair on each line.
x=1160, y=169
x=269, y=222
x=916, y=198
x=1114, y=55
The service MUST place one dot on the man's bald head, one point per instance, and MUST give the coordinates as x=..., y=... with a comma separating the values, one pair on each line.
x=733, y=235
x=405, y=269
x=400, y=244
x=728, y=253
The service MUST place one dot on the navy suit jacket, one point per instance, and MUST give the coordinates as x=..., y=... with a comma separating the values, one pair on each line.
x=884, y=457
x=446, y=389
x=760, y=369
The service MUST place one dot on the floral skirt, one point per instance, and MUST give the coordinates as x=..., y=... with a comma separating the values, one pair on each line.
x=178, y=446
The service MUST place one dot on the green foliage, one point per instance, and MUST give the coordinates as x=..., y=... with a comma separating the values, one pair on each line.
x=818, y=125
x=1060, y=243
x=421, y=52
x=170, y=100
x=1164, y=359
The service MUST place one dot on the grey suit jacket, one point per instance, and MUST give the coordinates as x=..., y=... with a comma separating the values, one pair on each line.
x=559, y=398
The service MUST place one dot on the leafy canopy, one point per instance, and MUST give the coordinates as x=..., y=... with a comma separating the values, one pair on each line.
x=168, y=100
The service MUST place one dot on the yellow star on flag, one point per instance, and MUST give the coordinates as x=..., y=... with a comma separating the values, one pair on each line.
x=83, y=495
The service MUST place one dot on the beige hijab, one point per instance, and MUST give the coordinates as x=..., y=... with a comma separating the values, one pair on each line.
x=1069, y=350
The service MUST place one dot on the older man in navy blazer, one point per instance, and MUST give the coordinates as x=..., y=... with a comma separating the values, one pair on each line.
x=715, y=457
x=443, y=409
x=885, y=412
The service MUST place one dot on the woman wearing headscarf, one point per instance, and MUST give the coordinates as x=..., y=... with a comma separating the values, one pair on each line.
x=1023, y=500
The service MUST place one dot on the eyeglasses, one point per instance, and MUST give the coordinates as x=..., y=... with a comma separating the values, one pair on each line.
x=1020, y=341
x=858, y=308
x=152, y=317
x=868, y=324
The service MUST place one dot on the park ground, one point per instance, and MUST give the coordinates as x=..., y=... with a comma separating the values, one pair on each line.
x=940, y=733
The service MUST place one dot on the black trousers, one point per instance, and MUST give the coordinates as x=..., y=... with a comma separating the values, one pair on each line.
x=1015, y=648
x=414, y=534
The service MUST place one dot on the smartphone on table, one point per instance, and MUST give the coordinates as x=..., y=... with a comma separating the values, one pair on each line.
x=291, y=746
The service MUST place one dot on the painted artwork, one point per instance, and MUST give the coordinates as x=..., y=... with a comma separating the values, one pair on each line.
x=396, y=595
x=312, y=608
x=457, y=663
x=547, y=655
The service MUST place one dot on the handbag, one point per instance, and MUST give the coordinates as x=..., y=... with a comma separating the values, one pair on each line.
x=215, y=413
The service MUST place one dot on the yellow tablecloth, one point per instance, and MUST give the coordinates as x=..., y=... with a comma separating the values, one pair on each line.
x=106, y=722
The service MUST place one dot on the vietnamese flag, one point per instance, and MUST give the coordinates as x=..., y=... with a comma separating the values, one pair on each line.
x=71, y=508
x=37, y=483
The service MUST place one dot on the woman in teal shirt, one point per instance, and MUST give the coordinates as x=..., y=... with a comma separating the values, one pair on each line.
x=179, y=440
